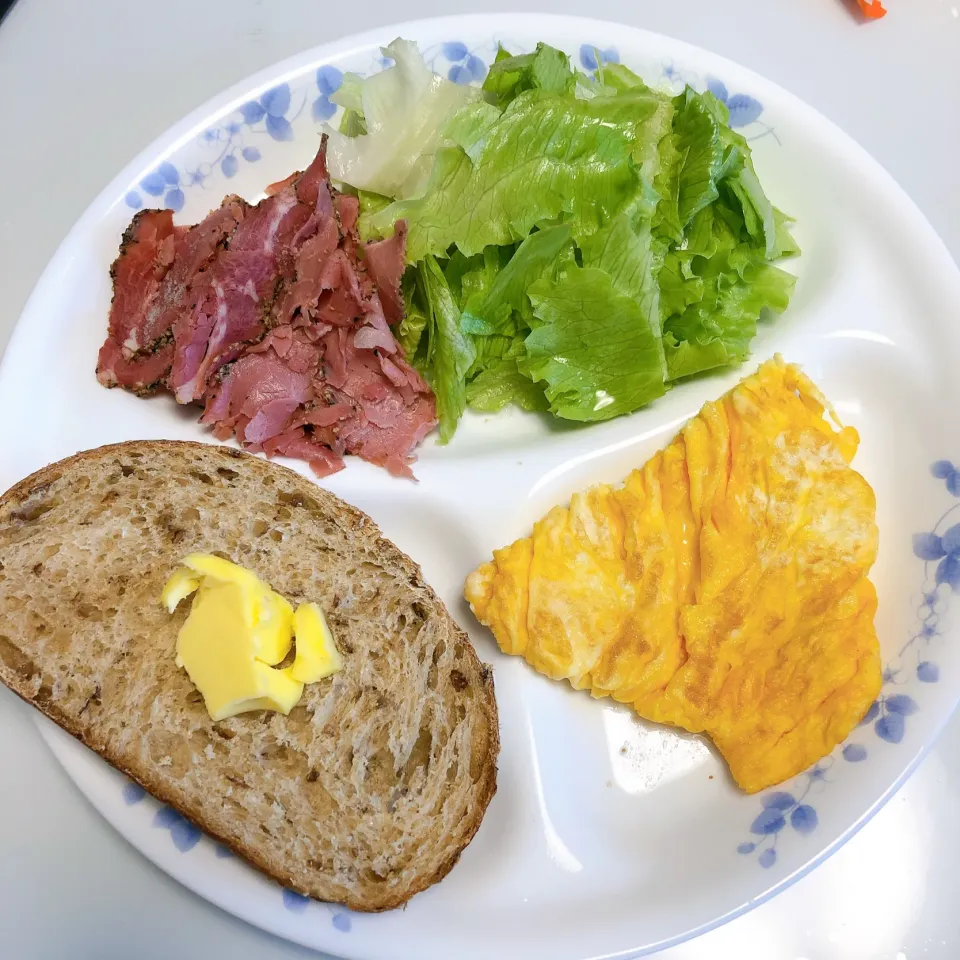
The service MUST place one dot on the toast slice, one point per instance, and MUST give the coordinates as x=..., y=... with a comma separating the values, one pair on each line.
x=369, y=790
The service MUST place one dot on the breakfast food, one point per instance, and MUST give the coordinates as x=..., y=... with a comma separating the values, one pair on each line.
x=567, y=242
x=277, y=318
x=238, y=635
x=722, y=589
x=576, y=242
x=369, y=790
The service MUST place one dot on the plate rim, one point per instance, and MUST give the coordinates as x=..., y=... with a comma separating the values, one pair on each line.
x=181, y=132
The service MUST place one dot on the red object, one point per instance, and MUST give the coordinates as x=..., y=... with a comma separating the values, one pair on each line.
x=872, y=9
x=278, y=319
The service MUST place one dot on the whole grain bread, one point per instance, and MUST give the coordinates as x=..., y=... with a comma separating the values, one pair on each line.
x=369, y=790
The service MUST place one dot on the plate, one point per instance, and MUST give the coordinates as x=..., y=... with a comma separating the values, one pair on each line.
x=608, y=836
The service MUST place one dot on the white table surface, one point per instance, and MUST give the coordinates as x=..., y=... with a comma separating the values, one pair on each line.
x=84, y=86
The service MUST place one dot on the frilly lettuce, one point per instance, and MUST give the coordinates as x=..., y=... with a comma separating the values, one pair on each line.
x=576, y=243
x=402, y=110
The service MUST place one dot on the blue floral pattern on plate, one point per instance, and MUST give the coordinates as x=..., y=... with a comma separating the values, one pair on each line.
x=272, y=114
x=186, y=836
x=328, y=81
x=889, y=712
x=745, y=110
x=465, y=66
x=298, y=903
x=591, y=57
x=780, y=808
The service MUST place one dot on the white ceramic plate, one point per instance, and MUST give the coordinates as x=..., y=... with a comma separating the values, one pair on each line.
x=608, y=836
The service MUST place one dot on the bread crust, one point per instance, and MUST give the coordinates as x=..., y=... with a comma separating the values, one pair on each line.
x=389, y=556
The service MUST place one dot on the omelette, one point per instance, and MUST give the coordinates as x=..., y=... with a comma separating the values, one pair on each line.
x=722, y=588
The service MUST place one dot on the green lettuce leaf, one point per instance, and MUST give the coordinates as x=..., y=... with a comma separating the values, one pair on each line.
x=625, y=252
x=471, y=277
x=468, y=128
x=488, y=312
x=403, y=108
x=531, y=169
x=717, y=302
x=784, y=245
x=619, y=77
x=546, y=69
x=501, y=383
x=690, y=161
x=409, y=332
x=592, y=346
x=352, y=124
x=579, y=242
x=349, y=94
x=451, y=351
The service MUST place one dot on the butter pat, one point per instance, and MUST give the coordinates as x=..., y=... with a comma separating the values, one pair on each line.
x=317, y=655
x=237, y=631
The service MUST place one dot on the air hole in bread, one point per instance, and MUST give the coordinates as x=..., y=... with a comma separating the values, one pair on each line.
x=313, y=776
x=32, y=511
x=227, y=474
x=16, y=660
x=224, y=732
x=275, y=752
x=89, y=611
x=439, y=650
x=126, y=469
x=259, y=528
x=298, y=500
x=276, y=536
x=419, y=758
x=283, y=514
x=192, y=514
x=432, y=677
x=476, y=765
x=380, y=774
x=202, y=477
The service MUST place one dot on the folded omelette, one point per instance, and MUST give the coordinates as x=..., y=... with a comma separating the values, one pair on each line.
x=722, y=589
